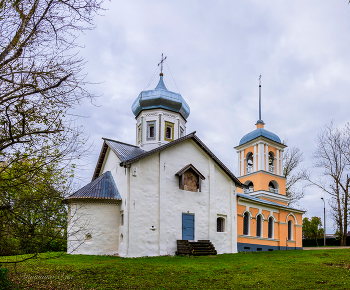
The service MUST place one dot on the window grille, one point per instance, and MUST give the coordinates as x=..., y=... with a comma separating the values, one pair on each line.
x=270, y=228
x=258, y=226
x=246, y=224
x=220, y=224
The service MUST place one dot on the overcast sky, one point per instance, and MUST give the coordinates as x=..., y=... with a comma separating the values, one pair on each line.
x=216, y=51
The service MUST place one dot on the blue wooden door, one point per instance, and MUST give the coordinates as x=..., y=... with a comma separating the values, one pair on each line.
x=187, y=226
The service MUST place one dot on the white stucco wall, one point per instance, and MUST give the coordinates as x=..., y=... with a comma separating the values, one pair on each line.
x=156, y=200
x=101, y=221
x=152, y=205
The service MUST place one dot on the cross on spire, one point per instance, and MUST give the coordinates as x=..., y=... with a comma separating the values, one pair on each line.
x=161, y=64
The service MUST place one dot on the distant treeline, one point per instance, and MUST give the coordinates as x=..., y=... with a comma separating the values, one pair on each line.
x=329, y=242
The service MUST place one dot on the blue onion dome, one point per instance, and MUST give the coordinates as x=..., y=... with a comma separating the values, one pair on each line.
x=257, y=133
x=160, y=98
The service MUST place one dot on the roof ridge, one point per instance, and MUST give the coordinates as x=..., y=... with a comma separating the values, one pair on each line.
x=160, y=148
x=107, y=139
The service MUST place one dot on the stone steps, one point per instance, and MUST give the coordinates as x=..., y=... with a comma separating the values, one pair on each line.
x=199, y=248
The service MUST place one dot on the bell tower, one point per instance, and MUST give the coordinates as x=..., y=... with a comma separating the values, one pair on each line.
x=260, y=163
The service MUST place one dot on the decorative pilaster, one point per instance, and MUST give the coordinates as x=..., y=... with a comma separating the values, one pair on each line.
x=255, y=159
x=281, y=162
x=266, y=157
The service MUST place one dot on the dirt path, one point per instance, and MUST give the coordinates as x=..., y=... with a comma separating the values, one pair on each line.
x=325, y=248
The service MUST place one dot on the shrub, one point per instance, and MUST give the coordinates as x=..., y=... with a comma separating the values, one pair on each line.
x=5, y=283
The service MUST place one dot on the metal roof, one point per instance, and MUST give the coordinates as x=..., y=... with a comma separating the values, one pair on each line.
x=247, y=196
x=124, y=151
x=160, y=97
x=102, y=187
x=257, y=133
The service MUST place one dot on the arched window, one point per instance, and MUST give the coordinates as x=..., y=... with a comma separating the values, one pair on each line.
x=121, y=238
x=270, y=228
x=273, y=186
x=220, y=224
x=250, y=187
x=290, y=230
x=246, y=224
x=271, y=162
x=259, y=226
x=250, y=162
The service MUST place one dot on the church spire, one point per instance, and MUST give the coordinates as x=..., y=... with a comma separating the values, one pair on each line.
x=260, y=123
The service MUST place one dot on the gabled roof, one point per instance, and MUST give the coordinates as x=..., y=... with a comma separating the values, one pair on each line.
x=124, y=152
x=183, y=170
x=128, y=162
x=102, y=187
x=259, y=200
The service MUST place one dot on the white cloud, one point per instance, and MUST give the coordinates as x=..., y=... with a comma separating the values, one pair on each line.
x=216, y=51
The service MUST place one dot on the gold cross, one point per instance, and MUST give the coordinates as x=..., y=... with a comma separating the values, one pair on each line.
x=161, y=64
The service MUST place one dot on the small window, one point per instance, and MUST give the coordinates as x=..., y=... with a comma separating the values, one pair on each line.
x=121, y=238
x=290, y=230
x=169, y=131
x=151, y=130
x=270, y=228
x=122, y=220
x=246, y=224
x=258, y=226
x=220, y=224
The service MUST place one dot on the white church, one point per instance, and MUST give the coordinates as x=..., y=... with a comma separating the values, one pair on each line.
x=145, y=199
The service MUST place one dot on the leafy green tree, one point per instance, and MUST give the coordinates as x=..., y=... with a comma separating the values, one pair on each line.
x=41, y=81
x=34, y=219
x=312, y=229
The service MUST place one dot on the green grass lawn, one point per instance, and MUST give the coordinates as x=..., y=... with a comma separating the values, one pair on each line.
x=318, y=269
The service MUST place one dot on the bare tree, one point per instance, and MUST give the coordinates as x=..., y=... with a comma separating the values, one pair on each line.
x=41, y=81
x=40, y=73
x=291, y=160
x=332, y=145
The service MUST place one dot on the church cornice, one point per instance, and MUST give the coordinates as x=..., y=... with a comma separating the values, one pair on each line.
x=262, y=171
